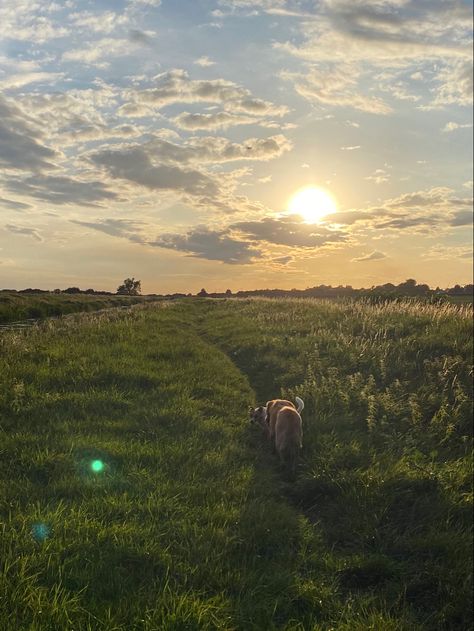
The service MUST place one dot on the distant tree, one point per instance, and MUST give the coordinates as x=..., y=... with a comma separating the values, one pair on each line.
x=130, y=287
x=56, y=291
x=203, y=293
x=228, y=292
x=72, y=290
x=410, y=288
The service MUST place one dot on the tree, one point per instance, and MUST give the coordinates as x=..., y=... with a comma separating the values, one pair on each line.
x=203, y=293
x=130, y=287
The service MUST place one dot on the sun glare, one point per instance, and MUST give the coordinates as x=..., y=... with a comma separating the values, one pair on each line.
x=312, y=204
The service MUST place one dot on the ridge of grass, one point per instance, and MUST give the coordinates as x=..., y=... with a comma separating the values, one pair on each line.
x=16, y=307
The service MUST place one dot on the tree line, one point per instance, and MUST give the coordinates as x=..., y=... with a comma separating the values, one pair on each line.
x=410, y=287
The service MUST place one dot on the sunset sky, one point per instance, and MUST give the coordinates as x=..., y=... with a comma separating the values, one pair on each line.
x=165, y=140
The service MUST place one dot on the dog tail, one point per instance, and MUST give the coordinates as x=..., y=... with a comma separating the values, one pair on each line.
x=299, y=404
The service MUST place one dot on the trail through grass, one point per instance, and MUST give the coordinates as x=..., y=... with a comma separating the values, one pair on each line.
x=134, y=495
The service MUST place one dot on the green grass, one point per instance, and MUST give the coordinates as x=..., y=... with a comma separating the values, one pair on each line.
x=190, y=523
x=15, y=307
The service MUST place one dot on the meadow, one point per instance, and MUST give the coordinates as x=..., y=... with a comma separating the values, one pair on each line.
x=16, y=306
x=135, y=495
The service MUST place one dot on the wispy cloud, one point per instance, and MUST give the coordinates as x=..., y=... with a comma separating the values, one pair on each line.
x=204, y=62
x=373, y=256
x=62, y=190
x=24, y=231
x=452, y=126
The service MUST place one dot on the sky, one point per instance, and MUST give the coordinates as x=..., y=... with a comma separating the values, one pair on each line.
x=165, y=140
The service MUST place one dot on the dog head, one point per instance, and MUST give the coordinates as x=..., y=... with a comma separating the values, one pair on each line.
x=258, y=415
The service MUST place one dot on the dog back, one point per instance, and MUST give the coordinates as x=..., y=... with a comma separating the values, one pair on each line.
x=273, y=408
x=288, y=435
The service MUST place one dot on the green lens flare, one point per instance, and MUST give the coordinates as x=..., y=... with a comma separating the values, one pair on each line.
x=97, y=466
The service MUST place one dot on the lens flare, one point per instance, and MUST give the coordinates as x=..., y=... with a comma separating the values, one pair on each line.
x=40, y=532
x=97, y=466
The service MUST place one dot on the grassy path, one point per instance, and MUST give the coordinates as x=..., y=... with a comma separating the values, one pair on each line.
x=181, y=528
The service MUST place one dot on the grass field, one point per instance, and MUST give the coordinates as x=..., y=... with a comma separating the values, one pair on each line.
x=135, y=495
x=15, y=306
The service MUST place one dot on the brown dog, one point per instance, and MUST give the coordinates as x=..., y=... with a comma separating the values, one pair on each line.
x=288, y=435
x=273, y=408
x=281, y=422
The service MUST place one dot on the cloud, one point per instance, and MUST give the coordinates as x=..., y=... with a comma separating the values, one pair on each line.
x=14, y=205
x=199, y=150
x=291, y=8
x=379, y=176
x=442, y=252
x=218, y=120
x=461, y=218
x=62, y=190
x=140, y=37
x=135, y=165
x=335, y=85
x=283, y=260
x=24, y=231
x=20, y=146
x=146, y=3
x=456, y=84
x=213, y=245
x=451, y=126
x=204, y=62
x=67, y=114
x=350, y=148
x=289, y=231
x=24, y=20
x=15, y=81
x=373, y=256
x=348, y=41
x=242, y=242
x=97, y=52
x=125, y=228
x=212, y=149
x=175, y=86
x=97, y=22
x=161, y=165
x=418, y=211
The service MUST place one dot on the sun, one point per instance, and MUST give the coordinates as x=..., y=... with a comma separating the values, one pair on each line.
x=312, y=204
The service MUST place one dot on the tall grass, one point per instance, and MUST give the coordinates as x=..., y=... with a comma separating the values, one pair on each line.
x=135, y=495
x=386, y=476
